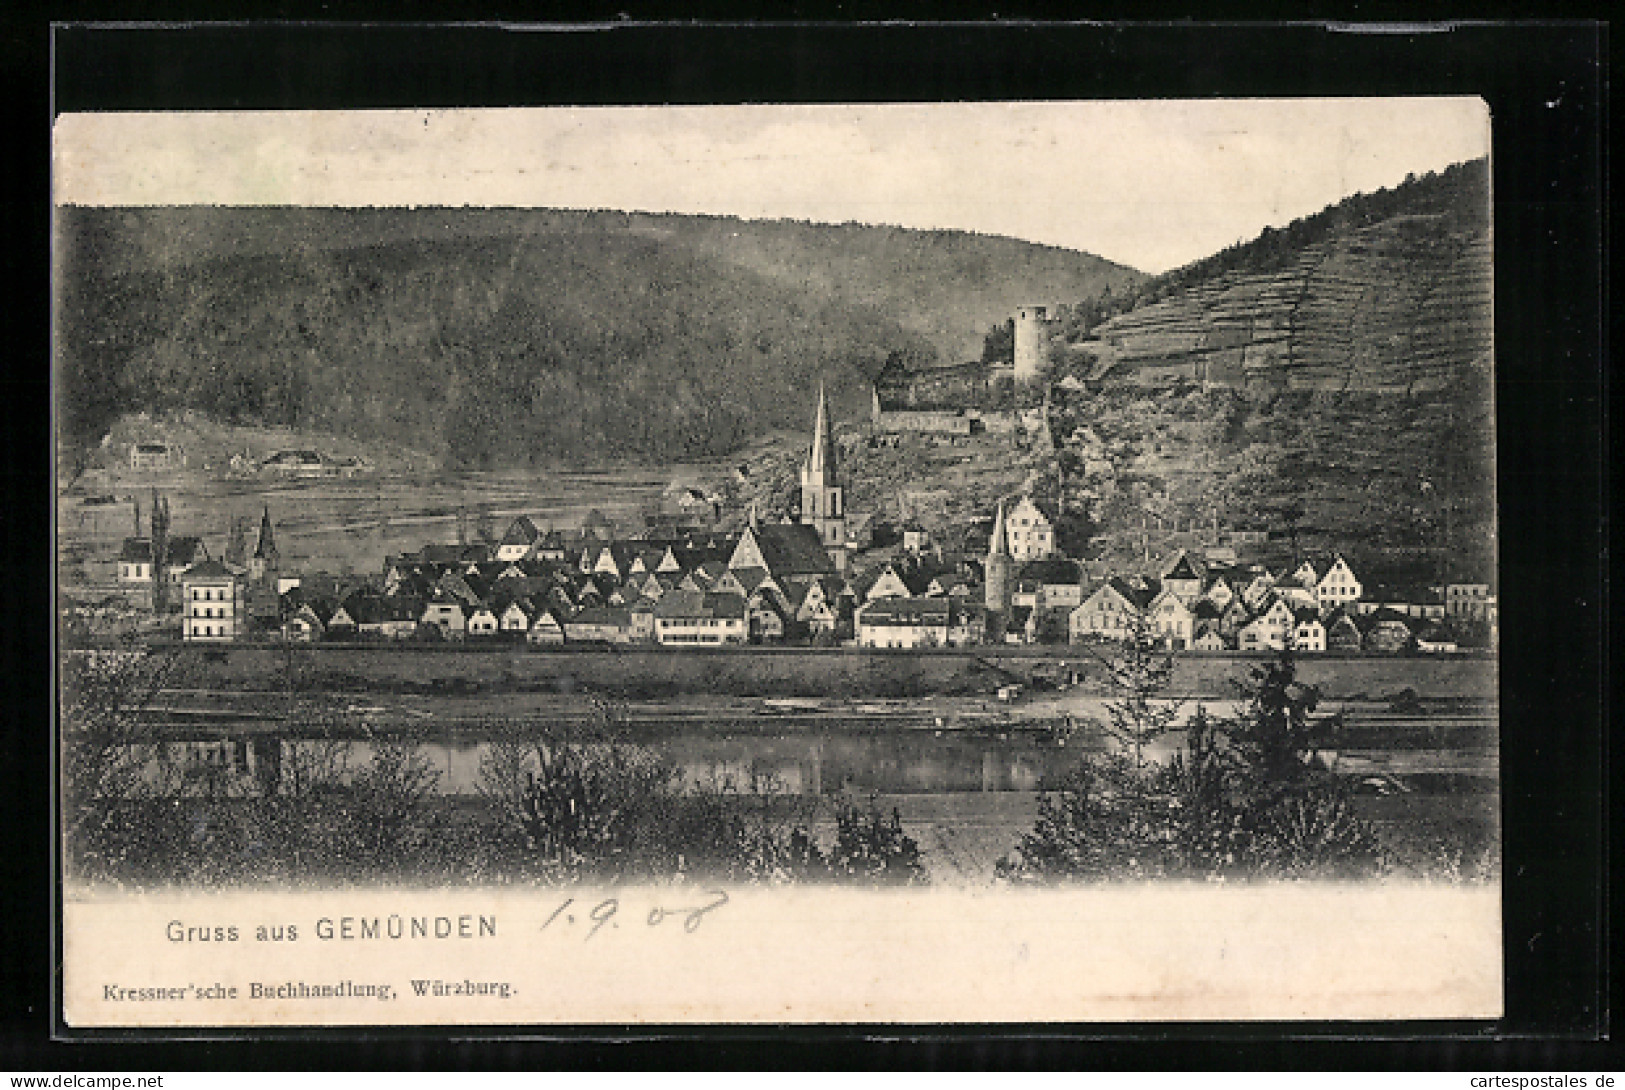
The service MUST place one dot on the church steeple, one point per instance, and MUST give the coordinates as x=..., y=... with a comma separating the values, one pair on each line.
x=266, y=548
x=823, y=503
x=264, y=559
x=998, y=544
x=821, y=458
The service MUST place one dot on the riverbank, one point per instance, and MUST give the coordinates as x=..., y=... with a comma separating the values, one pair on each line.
x=656, y=673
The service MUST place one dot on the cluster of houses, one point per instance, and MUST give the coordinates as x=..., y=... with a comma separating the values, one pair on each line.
x=767, y=583
x=792, y=582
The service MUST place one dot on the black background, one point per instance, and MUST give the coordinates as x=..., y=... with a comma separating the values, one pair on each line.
x=1544, y=84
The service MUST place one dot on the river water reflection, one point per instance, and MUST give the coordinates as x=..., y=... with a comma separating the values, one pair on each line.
x=889, y=762
x=892, y=762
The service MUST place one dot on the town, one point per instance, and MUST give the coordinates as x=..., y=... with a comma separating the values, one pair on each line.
x=808, y=582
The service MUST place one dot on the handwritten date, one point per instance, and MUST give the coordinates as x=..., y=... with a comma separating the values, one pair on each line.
x=604, y=913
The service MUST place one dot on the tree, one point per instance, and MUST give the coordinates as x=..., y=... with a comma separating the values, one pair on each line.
x=1140, y=670
x=999, y=346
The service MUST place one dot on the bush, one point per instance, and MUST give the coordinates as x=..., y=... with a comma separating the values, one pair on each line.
x=1248, y=798
x=871, y=847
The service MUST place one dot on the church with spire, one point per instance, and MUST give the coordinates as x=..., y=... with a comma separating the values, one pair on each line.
x=814, y=546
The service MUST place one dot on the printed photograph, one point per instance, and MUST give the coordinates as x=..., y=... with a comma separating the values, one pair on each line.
x=993, y=497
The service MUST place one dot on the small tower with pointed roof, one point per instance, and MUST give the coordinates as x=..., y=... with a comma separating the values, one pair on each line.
x=265, y=556
x=823, y=500
x=997, y=571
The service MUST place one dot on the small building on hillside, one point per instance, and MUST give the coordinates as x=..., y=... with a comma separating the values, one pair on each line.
x=154, y=455
x=135, y=563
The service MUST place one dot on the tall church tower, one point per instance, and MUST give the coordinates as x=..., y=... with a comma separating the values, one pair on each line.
x=264, y=560
x=823, y=500
x=997, y=571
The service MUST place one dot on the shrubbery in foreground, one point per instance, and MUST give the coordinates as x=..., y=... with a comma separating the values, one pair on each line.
x=1247, y=798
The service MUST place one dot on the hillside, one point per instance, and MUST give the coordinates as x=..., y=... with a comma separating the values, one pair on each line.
x=1332, y=380
x=1384, y=291
x=505, y=337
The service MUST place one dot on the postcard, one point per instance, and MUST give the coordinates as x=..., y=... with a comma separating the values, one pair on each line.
x=878, y=563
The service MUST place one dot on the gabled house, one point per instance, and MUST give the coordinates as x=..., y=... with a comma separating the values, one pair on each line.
x=1342, y=634
x=1208, y=638
x=1056, y=583
x=1183, y=575
x=519, y=540
x=1171, y=620
x=1256, y=591
x=951, y=585
x=729, y=583
x=546, y=629
x=180, y=554
x=1234, y=617
x=550, y=547
x=456, y=586
x=342, y=624
x=515, y=618
x=1270, y=630
x=1388, y=633
x=888, y=584
x=646, y=560
x=1219, y=592
x=307, y=622
x=764, y=619
x=1029, y=531
x=814, y=609
x=1309, y=633
x=649, y=586
x=445, y=613
x=1339, y=586
x=641, y=612
x=135, y=562
x=1305, y=576
x=788, y=550
x=1107, y=613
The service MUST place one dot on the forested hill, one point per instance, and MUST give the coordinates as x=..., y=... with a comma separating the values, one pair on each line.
x=508, y=336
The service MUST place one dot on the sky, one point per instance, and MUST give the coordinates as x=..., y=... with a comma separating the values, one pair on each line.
x=1150, y=184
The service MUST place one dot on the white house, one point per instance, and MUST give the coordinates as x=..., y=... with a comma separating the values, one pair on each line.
x=1339, y=586
x=1171, y=620
x=1028, y=532
x=905, y=622
x=1270, y=630
x=694, y=617
x=212, y=598
x=520, y=540
x=1309, y=634
x=1106, y=613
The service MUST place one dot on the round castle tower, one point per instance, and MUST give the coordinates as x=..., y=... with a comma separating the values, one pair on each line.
x=1031, y=342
